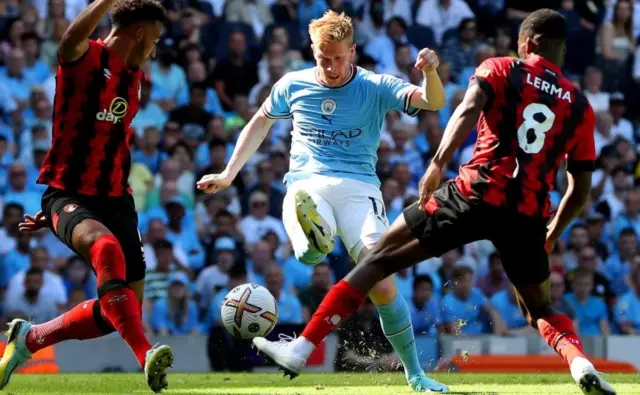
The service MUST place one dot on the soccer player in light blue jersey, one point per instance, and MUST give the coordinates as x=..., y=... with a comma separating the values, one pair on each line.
x=332, y=188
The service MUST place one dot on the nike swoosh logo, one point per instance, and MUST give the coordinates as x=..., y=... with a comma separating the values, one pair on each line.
x=312, y=236
x=320, y=228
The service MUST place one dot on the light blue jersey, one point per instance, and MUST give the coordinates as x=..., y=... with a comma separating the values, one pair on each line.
x=336, y=130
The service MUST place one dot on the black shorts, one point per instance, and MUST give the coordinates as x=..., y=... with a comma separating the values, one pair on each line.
x=458, y=220
x=118, y=214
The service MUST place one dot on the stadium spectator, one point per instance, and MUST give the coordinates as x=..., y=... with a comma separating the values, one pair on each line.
x=591, y=311
x=588, y=263
x=215, y=277
x=496, y=280
x=311, y=296
x=156, y=231
x=596, y=225
x=289, y=307
x=78, y=277
x=618, y=266
x=17, y=259
x=270, y=186
x=193, y=113
x=276, y=70
x=556, y=282
x=36, y=69
x=52, y=283
x=443, y=16
x=184, y=235
x=176, y=314
x=506, y=304
x=32, y=300
x=17, y=81
x=592, y=86
x=425, y=308
x=157, y=278
x=462, y=308
x=148, y=152
x=382, y=47
x=443, y=279
x=627, y=310
x=578, y=239
x=258, y=223
x=621, y=127
x=616, y=42
x=460, y=49
x=235, y=74
x=18, y=191
x=169, y=81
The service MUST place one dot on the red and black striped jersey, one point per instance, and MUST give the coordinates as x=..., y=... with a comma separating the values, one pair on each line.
x=96, y=98
x=534, y=119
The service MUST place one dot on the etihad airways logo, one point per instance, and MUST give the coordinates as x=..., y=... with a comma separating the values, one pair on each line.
x=342, y=138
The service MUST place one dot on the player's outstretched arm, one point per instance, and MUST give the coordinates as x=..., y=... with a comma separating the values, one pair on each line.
x=248, y=142
x=460, y=125
x=580, y=165
x=75, y=41
x=462, y=121
x=570, y=206
x=431, y=96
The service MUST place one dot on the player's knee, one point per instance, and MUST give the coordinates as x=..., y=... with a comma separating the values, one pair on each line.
x=86, y=241
x=379, y=262
x=538, y=312
x=107, y=258
x=384, y=292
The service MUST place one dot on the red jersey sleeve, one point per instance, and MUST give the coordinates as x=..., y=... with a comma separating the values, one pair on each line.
x=490, y=75
x=582, y=155
x=87, y=57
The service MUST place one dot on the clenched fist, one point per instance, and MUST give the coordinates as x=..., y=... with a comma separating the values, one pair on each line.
x=212, y=183
x=427, y=60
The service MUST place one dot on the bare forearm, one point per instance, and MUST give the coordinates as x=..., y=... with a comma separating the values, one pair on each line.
x=249, y=140
x=460, y=125
x=572, y=203
x=82, y=27
x=432, y=91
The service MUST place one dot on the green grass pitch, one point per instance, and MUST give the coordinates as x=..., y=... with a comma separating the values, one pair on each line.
x=318, y=384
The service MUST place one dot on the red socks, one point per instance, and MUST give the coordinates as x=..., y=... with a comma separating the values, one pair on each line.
x=558, y=331
x=342, y=300
x=78, y=323
x=119, y=304
x=121, y=307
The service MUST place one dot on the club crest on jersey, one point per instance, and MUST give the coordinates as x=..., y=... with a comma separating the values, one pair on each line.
x=328, y=106
x=69, y=208
x=117, y=110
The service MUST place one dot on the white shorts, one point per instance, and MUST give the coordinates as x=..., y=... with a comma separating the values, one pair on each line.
x=353, y=209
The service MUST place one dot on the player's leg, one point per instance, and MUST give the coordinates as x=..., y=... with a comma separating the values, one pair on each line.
x=415, y=236
x=395, y=319
x=85, y=321
x=309, y=221
x=526, y=263
x=159, y=358
x=361, y=223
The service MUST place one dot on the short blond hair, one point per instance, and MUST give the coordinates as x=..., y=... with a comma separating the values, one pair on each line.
x=331, y=28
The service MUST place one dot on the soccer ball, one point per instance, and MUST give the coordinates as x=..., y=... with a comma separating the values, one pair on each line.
x=248, y=311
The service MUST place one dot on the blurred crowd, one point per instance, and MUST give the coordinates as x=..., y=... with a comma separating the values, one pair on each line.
x=216, y=64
